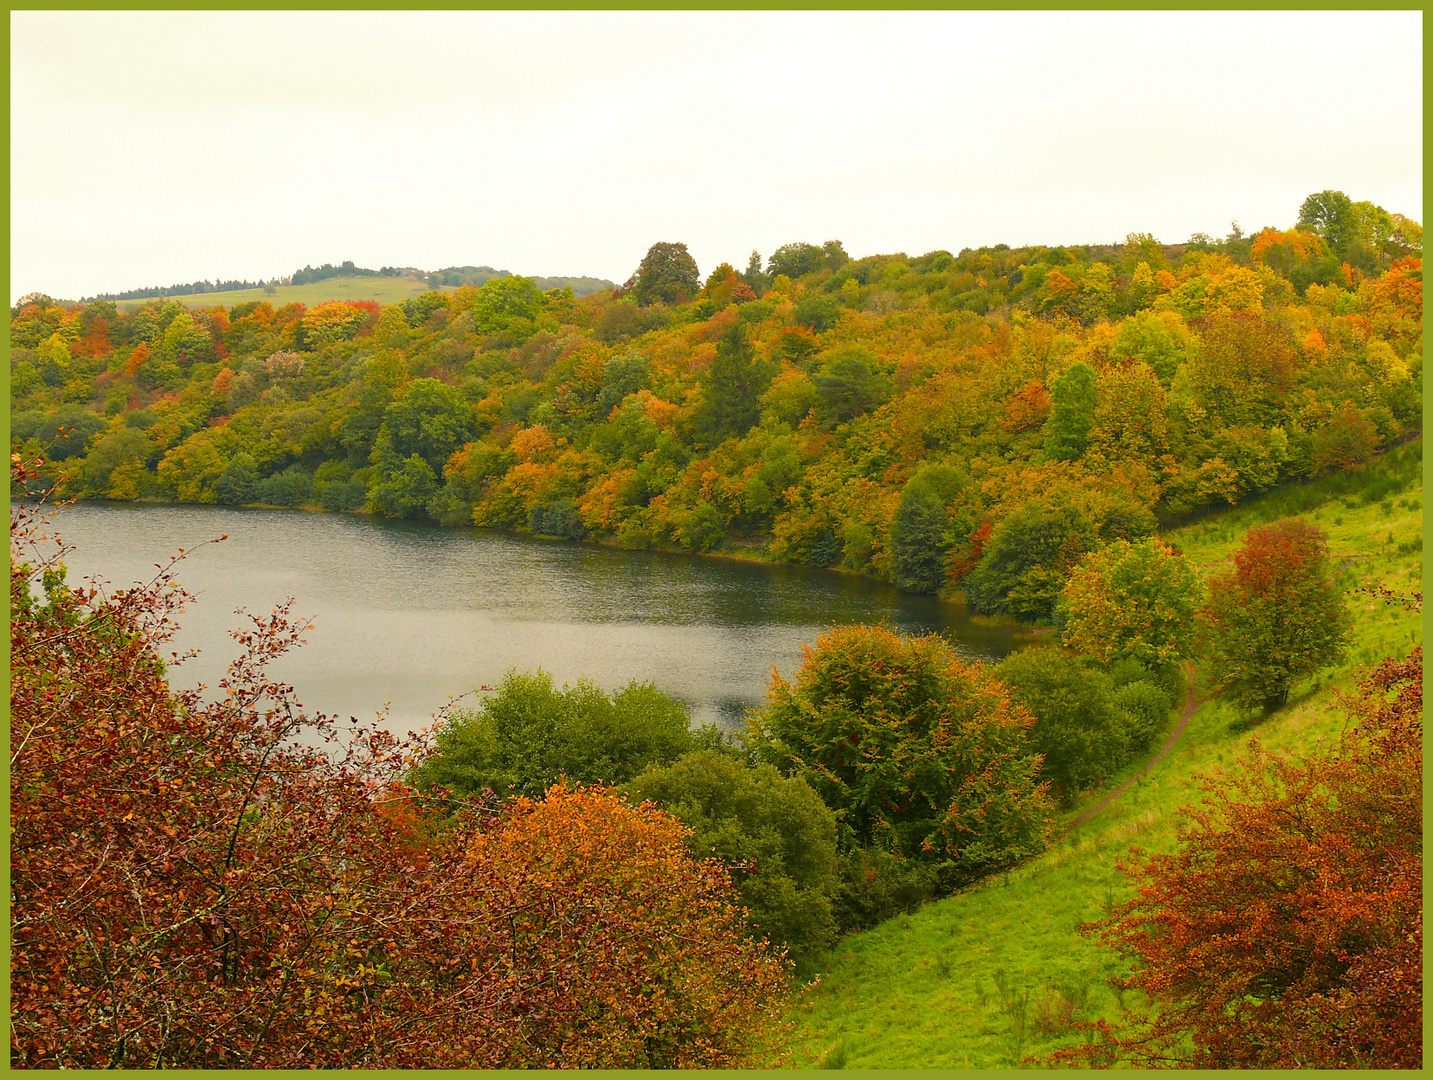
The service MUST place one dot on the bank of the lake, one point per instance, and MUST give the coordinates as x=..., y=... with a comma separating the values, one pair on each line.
x=410, y=614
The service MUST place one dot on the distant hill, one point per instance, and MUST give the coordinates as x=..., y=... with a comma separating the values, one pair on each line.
x=349, y=282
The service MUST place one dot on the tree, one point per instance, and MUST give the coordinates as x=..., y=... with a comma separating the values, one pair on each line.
x=1028, y=557
x=731, y=390
x=922, y=755
x=797, y=260
x=850, y=382
x=775, y=833
x=1329, y=214
x=627, y=952
x=507, y=304
x=1134, y=600
x=1078, y=730
x=1276, y=617
x=667, y=274
x=920, y=530
x=431, y=420
x=529, y=734
x=1072, y=413
x=1287, y=929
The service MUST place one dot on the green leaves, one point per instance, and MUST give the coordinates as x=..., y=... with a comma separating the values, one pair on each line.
x=1277, y=617
x=919, y=753
x=529, y=734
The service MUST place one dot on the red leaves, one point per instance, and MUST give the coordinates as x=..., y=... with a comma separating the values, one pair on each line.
x=231, y=883
x=1286, y=931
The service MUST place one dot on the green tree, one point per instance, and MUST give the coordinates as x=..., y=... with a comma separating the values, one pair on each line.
x=731, y=390
x=1078, y=729
x=239, y=481
x=403, y=488
x=668, y=274
x=849, y=383
x=795, y=260
x=1028, y=558
x=1133, y=600
x=1276, y=617
x=921, y=534
x=529, y=734
x=1329, y=214
x=1072, y=413
x=431, y=420
x=921, y=754
x=775, y=832
x=509, y=304
x=1145, y=336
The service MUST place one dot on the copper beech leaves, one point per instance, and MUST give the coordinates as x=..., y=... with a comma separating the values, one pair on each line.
x=1287, y=929
x=230, y=883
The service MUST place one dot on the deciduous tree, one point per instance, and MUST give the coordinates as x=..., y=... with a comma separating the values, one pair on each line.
x=1276, y=617
x=1133, y=600
x=925, y=755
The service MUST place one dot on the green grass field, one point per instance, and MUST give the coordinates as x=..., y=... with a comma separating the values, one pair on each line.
x=998, y=973
x=385, y=290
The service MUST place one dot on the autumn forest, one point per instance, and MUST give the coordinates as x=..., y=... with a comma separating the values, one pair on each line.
x=563, y=875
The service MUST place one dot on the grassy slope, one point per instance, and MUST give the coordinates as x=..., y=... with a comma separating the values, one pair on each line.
x=984, y=978
x=385, y=290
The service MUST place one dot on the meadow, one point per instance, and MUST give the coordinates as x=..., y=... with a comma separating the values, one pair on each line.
x=995, y=976
x=384, y=290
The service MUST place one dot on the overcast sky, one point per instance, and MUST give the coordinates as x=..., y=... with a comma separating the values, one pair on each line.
x=154, y=148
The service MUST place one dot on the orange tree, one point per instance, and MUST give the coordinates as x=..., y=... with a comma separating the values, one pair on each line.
x=231, y=883
x=1276, y=617
x=626, y=951
x=1287, y=929
x=920, y=754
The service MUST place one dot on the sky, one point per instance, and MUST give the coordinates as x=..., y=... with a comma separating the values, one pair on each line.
x=151, y=148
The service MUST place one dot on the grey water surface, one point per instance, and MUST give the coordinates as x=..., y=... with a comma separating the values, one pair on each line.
x=409, y=615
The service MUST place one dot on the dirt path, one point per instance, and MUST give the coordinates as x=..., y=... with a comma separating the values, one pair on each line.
x=1190, y=705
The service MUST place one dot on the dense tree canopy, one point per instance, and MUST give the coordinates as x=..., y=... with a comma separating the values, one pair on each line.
x=787, y=410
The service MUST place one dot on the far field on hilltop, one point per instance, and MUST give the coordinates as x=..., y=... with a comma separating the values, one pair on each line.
x=327, y=283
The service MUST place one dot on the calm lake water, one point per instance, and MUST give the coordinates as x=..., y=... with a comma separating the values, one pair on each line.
x=410, y=615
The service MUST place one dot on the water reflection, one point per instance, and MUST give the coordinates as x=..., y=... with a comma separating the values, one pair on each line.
x=410, y=614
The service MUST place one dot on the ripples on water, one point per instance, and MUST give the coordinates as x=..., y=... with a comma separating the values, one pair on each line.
x=410, y=614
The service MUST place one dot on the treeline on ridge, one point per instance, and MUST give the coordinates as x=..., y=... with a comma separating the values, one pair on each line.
x=977, y=421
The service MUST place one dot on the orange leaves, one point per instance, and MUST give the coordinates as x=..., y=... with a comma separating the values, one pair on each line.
x=1286, y=931
x=532, y=444
x=138, y=355
x=625, y=951
x=1027, y=408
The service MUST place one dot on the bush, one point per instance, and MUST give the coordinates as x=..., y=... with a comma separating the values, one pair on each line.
x=1078, y=729
x=1147, y=707
x=292, y=487
x=920, y=754
x=529, y=734
x=775, y=833
x=876, y=886
x=343, y=495
x=559, y=518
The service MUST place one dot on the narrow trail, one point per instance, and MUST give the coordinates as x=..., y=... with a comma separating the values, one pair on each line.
x=1190, y=704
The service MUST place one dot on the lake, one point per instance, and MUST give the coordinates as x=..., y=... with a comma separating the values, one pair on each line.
x=408, y=615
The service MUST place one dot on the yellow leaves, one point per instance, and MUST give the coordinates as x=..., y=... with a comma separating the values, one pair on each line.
x=533, y=443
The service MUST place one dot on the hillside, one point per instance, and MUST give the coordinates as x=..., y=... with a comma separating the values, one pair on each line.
x=999, y=972
x=971, y=422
